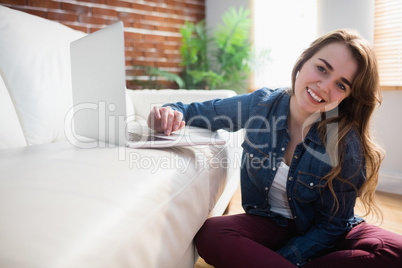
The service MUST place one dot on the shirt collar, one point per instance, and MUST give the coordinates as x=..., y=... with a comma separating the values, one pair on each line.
x=282, y=112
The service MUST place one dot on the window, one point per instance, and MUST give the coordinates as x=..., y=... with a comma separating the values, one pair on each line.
x=388, y=42
x=286, y=28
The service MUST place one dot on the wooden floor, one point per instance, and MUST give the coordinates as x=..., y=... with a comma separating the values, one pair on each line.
x=390, y=205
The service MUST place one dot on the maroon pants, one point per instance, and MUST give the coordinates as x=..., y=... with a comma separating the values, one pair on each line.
x=246, y=240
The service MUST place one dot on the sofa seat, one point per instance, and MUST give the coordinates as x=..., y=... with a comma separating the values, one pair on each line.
x=63, y=206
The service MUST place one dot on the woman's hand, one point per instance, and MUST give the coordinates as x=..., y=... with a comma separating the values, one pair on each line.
x=165, y=119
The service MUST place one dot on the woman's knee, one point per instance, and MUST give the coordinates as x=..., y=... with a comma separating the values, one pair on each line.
x=211, y=230
x=210, y=239
x=382, y=244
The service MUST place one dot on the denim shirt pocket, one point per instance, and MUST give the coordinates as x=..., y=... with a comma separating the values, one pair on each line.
x=308, y=187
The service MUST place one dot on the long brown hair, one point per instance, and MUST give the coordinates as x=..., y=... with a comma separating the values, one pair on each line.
x=353, y=112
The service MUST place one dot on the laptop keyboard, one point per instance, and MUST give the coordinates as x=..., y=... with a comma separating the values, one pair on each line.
x=135, y=137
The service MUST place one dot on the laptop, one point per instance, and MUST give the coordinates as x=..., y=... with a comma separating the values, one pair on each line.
x=99, y=96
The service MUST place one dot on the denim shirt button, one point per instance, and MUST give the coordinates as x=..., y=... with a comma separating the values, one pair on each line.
x=255, y=206
x=296, y=157
x=283, y=149
x=311, y=184
x=266, y=188
x=290, y=178
x=251, y=155
x=274, y=168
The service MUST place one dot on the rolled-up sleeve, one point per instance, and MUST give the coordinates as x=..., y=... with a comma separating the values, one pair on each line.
x=230, y=114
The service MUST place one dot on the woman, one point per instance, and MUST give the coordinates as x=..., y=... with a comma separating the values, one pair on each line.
x=307, y=156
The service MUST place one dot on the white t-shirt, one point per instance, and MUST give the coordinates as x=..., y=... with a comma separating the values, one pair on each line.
x=277, y=197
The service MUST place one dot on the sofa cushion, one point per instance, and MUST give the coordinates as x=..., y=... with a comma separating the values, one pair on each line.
x=10, y=129
x=35, y=65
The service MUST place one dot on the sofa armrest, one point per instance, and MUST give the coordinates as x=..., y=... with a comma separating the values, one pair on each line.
x=144, y=100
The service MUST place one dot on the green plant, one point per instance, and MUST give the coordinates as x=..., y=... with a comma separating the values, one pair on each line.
x=220, y=61
x=155, y=75
x=194, y=53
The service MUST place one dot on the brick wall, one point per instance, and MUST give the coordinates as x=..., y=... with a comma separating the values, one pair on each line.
x=152, y=27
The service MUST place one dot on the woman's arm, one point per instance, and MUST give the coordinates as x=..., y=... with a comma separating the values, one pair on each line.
x=230, y=113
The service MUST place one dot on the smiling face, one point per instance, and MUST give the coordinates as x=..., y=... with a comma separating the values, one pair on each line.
x=324, y=80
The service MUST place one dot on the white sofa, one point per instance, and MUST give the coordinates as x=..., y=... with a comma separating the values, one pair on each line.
x=65, y=206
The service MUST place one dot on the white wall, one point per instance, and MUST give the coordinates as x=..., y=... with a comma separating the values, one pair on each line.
x=388, y=130
x=356, y=14
x=359, y=14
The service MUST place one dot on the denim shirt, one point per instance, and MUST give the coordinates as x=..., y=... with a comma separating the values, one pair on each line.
x=263, y=114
